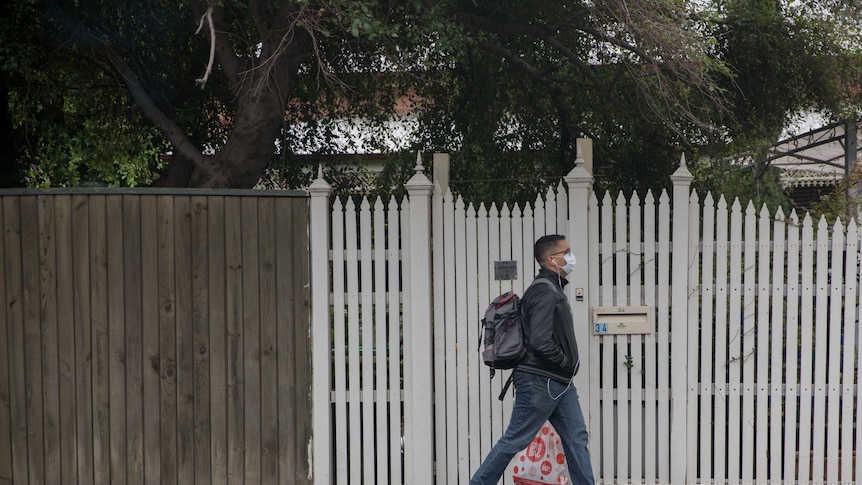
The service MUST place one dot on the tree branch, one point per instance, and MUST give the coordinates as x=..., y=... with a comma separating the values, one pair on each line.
x=208, y=17
x=556, y=94
x=256, y=12
x=171, y=130
x=223, y=49
x=542, y=34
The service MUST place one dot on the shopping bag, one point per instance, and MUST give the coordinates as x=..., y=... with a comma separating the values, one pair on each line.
x=543, y=461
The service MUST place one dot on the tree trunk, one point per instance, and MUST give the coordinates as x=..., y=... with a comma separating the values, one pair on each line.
x=248, y=151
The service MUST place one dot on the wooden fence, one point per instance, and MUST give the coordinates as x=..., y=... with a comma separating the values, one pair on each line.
x=749, y=373
x=154, y=337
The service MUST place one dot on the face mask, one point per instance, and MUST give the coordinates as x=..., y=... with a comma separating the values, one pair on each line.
x=570, y=263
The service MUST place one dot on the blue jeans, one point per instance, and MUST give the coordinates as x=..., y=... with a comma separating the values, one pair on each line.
x=539, y=399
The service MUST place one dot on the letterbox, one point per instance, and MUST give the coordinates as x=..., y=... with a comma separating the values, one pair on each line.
x=617, y=320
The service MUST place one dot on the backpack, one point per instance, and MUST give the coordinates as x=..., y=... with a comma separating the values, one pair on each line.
x=504, y=335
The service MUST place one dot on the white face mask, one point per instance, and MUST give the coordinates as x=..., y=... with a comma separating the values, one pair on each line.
x=570, y=263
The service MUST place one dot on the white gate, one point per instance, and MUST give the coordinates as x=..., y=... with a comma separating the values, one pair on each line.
x=748, y=375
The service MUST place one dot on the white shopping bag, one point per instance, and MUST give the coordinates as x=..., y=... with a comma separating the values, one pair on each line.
x=543, y=461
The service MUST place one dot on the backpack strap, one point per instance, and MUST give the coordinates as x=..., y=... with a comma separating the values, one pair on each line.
x=545, y=281
x=506, y=385
x=512, y=374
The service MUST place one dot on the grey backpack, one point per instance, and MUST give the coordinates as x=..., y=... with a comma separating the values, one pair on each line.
x=504, y=335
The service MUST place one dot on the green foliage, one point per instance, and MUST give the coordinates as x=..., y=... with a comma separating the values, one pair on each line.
x=353, y=179
x=85, y=139
x=505, y=87
x=760, y=185
x=842, y=203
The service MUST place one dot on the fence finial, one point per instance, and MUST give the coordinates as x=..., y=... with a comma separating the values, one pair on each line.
x=682, y=176
x=579, y=155
x=320, y=184
x=419, y=168
x=419, y=181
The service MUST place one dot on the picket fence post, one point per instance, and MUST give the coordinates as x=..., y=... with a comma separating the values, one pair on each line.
x=580, y=183
x=418, y=334
x=320, y=219
x=681, y=179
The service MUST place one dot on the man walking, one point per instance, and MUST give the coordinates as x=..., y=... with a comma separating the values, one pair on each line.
x=543, y=379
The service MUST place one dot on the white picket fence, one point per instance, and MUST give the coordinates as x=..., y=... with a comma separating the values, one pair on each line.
x=749, y=374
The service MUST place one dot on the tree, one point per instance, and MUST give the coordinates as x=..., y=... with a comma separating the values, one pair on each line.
x=507, y=86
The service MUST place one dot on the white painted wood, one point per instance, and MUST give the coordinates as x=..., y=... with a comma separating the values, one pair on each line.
x=736, y=352
x=354, y=436
x=748, y=333
x=720, y=386
x=776, y=329
x=320, y=220
x=393, y=256
x=849, y=344
x=474, y=315
x=621, y=343
x=857, y=398
x=494, y=407
x=408, y=363
x=663, y=328
x=383, y=443
x=461, y=410
x=693, y=357
x=527, y=267
x=340, y=343
x=707, y=334
x=449, y=384
x=577, y=217
x=806, y=345
x=541, y=222
x=636, y=367
x=651, y=355
x=607, y=366
x=419, y=431
x=551, y=216
x=742, y=288
x=821, y=350
x=441, y=425
x=507, y=222
x=484, y=272
x=681, y=179
x=366, y=331
x=761, y=386
x=833, y=368
x=791, y=378
x=590, y=363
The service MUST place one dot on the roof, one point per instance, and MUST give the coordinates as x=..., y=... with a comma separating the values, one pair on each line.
x=817, y=157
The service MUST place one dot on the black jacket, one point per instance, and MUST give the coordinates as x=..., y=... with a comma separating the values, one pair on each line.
x=551, y=347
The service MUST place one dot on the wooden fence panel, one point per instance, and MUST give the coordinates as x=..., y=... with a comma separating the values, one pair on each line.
x=65, y=335
x=32, y=338
x=217, y=338
x=6, y=430
x=150, y=311
x=119, y=356
x=17, y=340
x=183, y=272
x=48, y=317
x=154, y=337
x=200, y=347
x=268, y=339
x=129, y=274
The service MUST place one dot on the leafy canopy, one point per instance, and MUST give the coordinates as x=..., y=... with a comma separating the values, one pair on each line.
x=98, y=91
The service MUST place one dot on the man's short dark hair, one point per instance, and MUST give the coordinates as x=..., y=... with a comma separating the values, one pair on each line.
x=545, y=246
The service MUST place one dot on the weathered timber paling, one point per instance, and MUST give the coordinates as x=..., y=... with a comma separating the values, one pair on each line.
x=154, y=336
